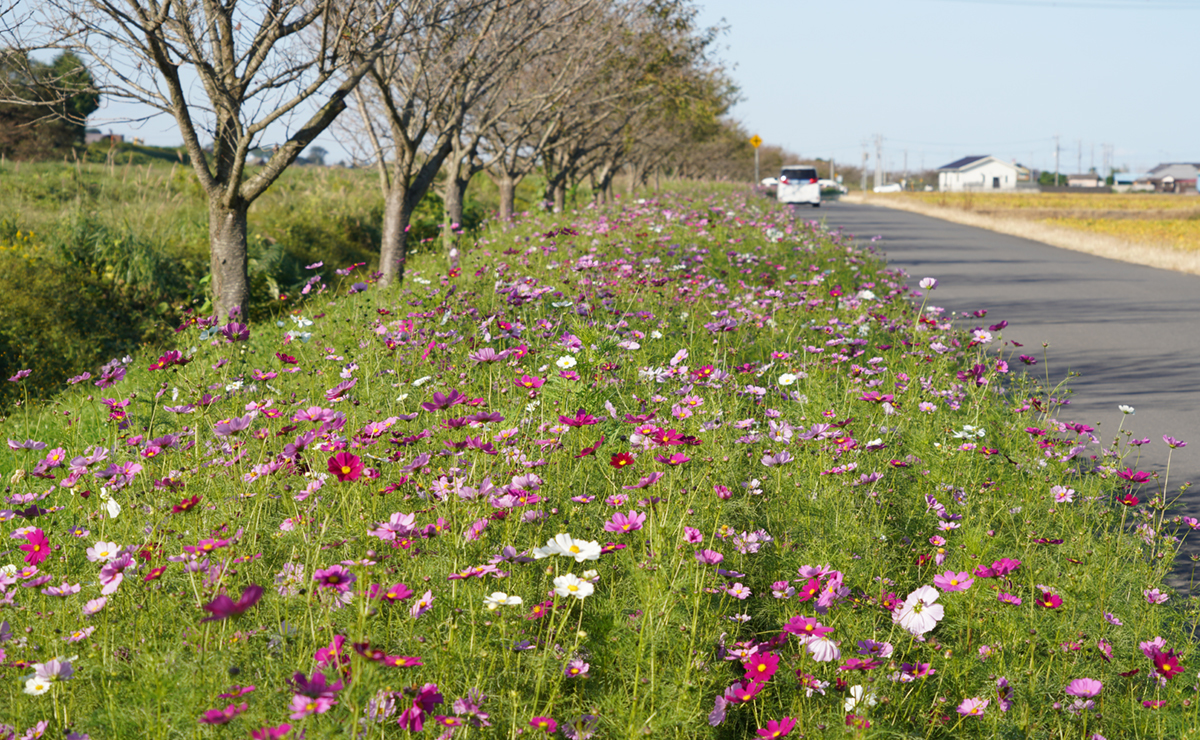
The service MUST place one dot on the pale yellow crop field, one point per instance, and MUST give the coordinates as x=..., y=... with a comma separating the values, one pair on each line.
x=1152, y=219
x=1179, y=233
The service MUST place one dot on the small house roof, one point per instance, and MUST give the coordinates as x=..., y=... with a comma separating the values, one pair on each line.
x=963, y=163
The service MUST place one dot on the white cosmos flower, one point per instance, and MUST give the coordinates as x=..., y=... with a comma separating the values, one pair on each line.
x=859, y=696
x=787, y=379
x=498, y=599
x=36, y=686
x=572, y=585
x=1125, y=409
x=566, y=362
x=823, y=649
x=110, y=504
x=564, y=544
x=919, y=614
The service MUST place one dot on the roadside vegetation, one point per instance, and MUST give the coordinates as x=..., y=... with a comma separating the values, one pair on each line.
x=684, y=468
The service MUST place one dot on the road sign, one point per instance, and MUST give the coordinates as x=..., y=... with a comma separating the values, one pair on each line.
x=755, y=141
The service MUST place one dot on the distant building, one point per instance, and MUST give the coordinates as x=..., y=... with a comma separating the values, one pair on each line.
x=1174, y=177
x=982, y=172
x=1086, y=180
x=93, y=136
x=1132, y=182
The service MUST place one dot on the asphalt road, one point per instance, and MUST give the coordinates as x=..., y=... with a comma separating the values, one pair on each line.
x=1132, y=333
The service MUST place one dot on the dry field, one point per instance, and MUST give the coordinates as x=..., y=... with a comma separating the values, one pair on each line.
x=1142, y=228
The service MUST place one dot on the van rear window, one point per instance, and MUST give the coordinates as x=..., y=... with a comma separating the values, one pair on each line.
x=801, y=173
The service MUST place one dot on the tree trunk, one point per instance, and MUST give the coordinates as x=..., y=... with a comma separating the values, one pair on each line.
x=227, y=243
x=392, y=248
x=508, y=196
x=636, y=176
x=560, y=195
x=452, y=197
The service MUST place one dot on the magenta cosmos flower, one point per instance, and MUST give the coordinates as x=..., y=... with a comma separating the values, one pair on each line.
x=777, y=729
x=36, y=547
x=345, y=466
x=224, y=607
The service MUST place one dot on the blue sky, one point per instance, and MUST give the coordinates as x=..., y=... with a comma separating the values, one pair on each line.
x=942, y=79
x=949, y=78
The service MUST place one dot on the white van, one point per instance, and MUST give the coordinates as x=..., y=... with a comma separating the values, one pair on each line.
x=798, y=184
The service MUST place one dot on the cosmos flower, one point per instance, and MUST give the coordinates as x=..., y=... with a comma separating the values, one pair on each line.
x=919, y=614
x=571, y=585
x=567, y=546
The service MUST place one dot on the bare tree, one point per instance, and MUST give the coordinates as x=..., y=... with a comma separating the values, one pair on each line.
x=419, y=96
x=555, y=51
x=227, y=72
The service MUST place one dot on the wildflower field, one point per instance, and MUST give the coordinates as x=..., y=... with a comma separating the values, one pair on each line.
x=691, y=468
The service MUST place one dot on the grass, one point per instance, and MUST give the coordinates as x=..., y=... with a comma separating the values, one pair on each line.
x=741, y=421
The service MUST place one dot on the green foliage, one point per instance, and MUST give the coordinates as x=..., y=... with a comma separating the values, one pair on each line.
x=59, y=97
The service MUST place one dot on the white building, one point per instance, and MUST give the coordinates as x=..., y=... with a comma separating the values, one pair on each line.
x=980, y=173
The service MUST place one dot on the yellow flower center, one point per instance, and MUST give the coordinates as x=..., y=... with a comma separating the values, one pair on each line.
x=345, y=470
x=574, y=549
x=572, y=587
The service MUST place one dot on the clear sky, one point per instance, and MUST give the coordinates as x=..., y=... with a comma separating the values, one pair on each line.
x=944, y=79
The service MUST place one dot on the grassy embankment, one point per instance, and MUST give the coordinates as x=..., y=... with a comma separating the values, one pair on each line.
x=684, y=470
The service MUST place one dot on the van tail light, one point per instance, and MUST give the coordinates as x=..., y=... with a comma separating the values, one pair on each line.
x=783, y=180
x=812, y=180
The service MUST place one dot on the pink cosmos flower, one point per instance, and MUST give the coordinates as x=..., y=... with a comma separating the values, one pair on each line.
x=973, y=707
x=422, y=605
x=1085, y=688
x=305, y=706
x=625, y=522
x=951, y=581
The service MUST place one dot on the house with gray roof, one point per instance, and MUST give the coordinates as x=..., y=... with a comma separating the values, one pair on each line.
x=980, y=172
x=1174, y=177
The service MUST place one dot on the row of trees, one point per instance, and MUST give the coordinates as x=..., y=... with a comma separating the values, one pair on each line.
x=573, y=89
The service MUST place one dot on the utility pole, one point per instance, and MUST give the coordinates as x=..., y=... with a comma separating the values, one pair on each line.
x=832, y=171
x=905, y=167
x=1056, y=160
x=863, y=184
x=1079, y=161
x=878, y=160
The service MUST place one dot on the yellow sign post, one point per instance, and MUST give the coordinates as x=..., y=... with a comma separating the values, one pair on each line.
x=756, y=142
